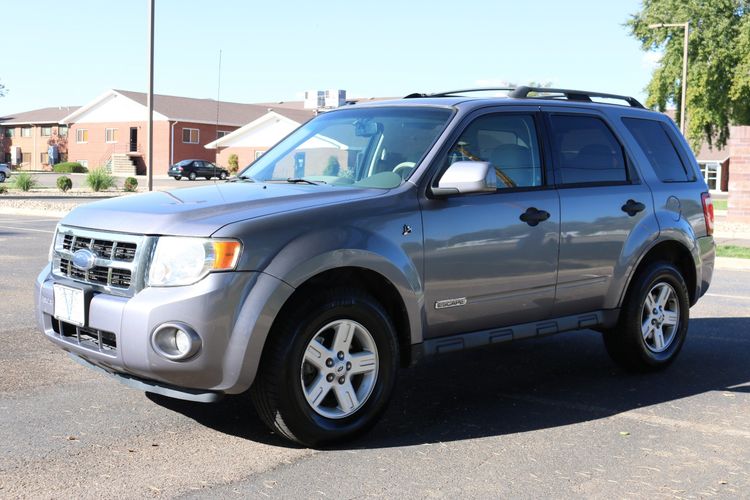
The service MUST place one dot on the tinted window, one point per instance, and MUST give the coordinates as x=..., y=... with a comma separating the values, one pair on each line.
x=508, y=142
x=656, y=144
x=586, y=151
x=198, y=164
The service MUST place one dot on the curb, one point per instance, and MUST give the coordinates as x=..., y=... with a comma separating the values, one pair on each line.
x=732, y=263
x=57, y=214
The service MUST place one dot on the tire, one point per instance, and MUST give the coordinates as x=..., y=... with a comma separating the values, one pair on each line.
x=192, y=176
x=649, y=337
x=223, y=176
x=2, y=176
x=208, y=177
x=300, y=392
x=177, y=177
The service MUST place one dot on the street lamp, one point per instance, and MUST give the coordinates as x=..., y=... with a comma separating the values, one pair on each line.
x=686, y=26
x=150, y=98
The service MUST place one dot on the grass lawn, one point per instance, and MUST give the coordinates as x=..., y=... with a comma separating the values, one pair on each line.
x=733, y=251
x=720, y=204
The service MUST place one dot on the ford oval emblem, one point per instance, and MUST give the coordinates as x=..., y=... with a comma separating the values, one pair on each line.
x=84, y=259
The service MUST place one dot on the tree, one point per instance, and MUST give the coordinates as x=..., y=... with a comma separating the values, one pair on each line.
x=718, y=82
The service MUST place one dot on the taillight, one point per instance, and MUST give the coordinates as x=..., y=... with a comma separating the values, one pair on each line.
x=179, y=168
x=708, y=212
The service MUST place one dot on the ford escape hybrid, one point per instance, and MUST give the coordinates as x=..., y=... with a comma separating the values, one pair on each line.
x=379, y=233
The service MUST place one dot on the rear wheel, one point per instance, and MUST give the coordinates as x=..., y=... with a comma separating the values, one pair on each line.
x=328, y=370
x=192, y=176
x=2, y=176
x=653, y=322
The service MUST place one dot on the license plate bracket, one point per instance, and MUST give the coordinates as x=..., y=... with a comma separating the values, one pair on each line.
x=70, y=304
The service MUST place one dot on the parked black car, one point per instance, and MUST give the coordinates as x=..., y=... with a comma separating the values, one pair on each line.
x=192, y=169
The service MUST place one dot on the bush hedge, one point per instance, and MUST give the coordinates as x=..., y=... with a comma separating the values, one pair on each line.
x=99, y=179
x=69, y=167
x=130, y=185
x=64, y=183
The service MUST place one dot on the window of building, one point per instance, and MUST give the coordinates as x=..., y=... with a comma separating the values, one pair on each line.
x=658, y=147
x=62, y=131
x=711, y=171
x=45, y=131
x=9, y=131
x=221, y=133
x=82, y=135
x=586, y=151
x=25, y=158
x=508, y=142
x=190, y=136
x=258, y=154
x=110, y=135
x=25, y=131
x=43, y=158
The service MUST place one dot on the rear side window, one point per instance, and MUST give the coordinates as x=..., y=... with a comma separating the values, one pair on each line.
x=586, y=151
x=658, y=147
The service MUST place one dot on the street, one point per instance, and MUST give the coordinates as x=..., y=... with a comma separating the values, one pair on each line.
x=551, y=417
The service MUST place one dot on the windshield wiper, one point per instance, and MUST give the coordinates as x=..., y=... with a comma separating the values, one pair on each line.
x=298, y=180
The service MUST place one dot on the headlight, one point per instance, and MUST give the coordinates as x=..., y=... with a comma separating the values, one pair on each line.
x=183, y=261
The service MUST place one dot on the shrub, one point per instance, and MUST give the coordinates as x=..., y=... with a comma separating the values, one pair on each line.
x=234, y=163
x=3, y=190
x=333, y=167
x=99, y=179
x=64, y=183
x=25, y=181
x=69, y=167
x=131, y=184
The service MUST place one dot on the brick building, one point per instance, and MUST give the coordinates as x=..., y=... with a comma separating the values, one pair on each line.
x=25, y=138
x=111, y=130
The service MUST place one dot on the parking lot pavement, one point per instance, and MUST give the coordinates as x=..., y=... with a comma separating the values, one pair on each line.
x=550, y=417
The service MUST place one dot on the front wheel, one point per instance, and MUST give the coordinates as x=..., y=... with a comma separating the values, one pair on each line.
x=177, y=177
x=653, y=322
x=2, y=176
x=328, y=369
x=223, y=176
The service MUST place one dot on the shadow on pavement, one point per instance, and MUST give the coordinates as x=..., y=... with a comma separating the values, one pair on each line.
x=521, y=387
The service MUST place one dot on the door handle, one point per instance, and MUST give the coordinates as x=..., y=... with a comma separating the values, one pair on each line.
x=532, y=216
x=632, y=207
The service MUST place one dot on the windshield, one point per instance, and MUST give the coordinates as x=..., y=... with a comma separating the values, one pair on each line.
x=361, y=147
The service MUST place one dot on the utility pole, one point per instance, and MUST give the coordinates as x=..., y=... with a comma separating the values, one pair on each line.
x=150, y=98
x=686, y=26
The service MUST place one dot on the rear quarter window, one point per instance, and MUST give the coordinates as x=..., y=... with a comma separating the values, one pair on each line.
x=654, y=140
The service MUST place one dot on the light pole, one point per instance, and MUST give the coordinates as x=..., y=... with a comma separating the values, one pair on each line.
x=686, y=26
x=150, y=98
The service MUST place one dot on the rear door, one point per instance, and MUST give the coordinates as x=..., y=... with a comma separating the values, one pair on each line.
x=484, y=266
x=603, y=204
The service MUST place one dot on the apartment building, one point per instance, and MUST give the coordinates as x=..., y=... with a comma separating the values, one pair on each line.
x=26, y=138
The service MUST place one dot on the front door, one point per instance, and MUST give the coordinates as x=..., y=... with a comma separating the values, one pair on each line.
x=133, y=139
x=602, y=203
x=484, y=266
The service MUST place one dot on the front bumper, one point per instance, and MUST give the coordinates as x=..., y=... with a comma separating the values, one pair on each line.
x=225, y=309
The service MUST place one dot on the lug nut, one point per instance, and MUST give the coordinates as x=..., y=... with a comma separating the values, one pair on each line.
x=342, y=380
x=656, y=311
x=653, y=321
x=348, y=365
x=340, y=355
x=329, y=362
x=329, y=377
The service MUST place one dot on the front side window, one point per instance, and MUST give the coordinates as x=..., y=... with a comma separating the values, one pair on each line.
x=656, y=144
x=110, y=135
x=585, y=151
x=509, y=143
x=190, y=136
x=375, y=147
x=82, y=135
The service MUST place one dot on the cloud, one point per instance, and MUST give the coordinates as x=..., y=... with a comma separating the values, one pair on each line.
x=650, y=60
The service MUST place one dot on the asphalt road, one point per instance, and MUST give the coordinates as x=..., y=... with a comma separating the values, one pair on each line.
x=541, y=418
x=161, y=182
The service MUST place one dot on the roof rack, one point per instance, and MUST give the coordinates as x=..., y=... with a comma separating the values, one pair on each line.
x=571, y=95
x=544, y=93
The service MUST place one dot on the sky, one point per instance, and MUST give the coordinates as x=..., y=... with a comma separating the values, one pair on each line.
x=68, y=53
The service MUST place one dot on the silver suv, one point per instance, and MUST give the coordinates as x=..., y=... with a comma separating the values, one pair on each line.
x=380, y=233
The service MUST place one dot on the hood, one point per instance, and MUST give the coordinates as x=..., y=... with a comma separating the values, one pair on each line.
x=202, y=211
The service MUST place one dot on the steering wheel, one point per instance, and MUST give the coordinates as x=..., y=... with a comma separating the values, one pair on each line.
x=404, y=168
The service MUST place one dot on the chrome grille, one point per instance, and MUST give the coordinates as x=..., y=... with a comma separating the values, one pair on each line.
x=117, y=259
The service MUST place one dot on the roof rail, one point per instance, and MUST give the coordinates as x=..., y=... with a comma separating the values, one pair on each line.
x=451, y=93
x=571, y=95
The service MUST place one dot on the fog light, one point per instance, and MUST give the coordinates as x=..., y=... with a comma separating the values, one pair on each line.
x=175, y=341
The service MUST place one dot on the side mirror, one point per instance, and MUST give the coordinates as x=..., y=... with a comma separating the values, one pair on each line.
x=465, y=177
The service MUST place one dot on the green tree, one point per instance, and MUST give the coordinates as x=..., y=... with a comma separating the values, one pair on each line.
x=234, y=163
x=718, y=82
